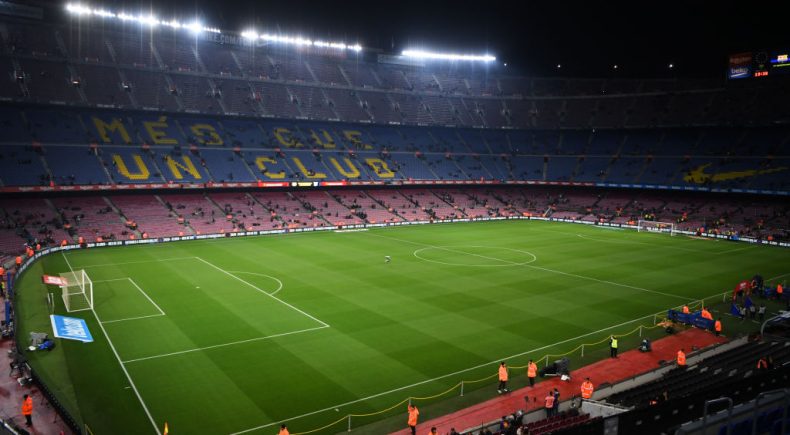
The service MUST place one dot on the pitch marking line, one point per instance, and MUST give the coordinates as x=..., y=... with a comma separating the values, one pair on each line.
x=123, y=367
x=736, y=250
x=110, y=280
x=545, y=269
x=261, y=291
x=161, y=312
x=280, y=283
x=214, y=346
x=134, y=262
x=131, y=318
x=534, y=257
x=416, y=384
x=146, y=296
x=631, y=242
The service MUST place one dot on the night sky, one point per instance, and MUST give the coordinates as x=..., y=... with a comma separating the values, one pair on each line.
x=586, y=38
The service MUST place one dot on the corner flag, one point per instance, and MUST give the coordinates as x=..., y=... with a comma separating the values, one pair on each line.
x=165, y=432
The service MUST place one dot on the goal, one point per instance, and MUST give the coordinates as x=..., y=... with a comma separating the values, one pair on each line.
x=657, y=227
x=78, y=291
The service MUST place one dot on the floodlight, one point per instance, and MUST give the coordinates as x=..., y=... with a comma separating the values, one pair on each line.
x=249, y=34
x=421, y=54
x=77, y=9
x=194, y=27
x=173, y=23
x=149, y=20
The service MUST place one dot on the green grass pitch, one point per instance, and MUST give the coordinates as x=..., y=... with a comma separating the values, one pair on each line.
x=224, y=336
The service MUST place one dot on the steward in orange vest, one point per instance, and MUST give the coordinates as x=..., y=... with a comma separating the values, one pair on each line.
x=549, y=403
x=681, y=358
x=587, y=389
x=532, y=372
x=502, y=378
x=717, y=327
x=413, y=414
x=27, y=410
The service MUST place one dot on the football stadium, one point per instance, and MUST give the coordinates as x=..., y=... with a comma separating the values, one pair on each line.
x=213, y=221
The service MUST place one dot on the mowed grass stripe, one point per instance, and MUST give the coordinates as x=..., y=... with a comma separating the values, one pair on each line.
x=409, y=327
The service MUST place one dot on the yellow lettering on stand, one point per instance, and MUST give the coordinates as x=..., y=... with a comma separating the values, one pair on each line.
x=352, y=171
x=355, y=137
x=307, y=173
x=159, y=137
x=176, y=167
x=380, y=167
x=326, y=142
x=261, y=161
x=142, y=170
x=286, y=138
x=114, y=126
x=206, y=134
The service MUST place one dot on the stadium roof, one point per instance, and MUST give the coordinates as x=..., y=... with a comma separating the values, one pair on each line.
x=532, y=37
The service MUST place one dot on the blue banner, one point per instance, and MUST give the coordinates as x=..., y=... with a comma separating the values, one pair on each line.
x=70, y=328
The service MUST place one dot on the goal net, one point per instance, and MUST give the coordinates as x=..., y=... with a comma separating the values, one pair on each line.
x=78, y=291
x=657, y=227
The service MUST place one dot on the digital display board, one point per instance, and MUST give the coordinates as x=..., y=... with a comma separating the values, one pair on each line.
x=760, y=63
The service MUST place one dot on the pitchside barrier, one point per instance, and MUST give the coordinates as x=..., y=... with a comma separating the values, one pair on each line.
x=47, y=251
x=658, y=320
x=461, y=385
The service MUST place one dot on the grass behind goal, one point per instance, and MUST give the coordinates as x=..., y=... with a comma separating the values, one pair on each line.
x=227, y=335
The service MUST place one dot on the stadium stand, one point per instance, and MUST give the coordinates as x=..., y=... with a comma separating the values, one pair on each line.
x=257, y=128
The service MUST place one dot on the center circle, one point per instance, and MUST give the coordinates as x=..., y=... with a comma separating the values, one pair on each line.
x=479, y=256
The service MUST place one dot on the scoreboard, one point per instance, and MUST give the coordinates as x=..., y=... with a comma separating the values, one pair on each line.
x=761, y=63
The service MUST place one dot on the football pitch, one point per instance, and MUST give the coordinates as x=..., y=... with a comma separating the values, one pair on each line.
x=237, y=335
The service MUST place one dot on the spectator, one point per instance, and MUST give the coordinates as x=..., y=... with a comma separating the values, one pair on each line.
x=556, y=409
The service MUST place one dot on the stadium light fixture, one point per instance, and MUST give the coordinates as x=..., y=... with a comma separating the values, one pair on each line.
x=194, y=27
x=147, y=20
x=421, y=54
x=249, y=34
x=298, y=41
x=671, y=65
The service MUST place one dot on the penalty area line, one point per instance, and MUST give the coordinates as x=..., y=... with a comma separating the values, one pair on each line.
x=262, y=291
x=123, y=367
x=214, y=346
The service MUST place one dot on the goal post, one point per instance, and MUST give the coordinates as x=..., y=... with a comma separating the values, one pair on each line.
x=657, y=227
x=78, y=292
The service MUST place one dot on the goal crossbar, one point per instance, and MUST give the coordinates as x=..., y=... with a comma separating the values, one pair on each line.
x=77, y=294
x=657, y=227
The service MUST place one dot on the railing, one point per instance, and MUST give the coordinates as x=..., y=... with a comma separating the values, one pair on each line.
x=459, y=388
